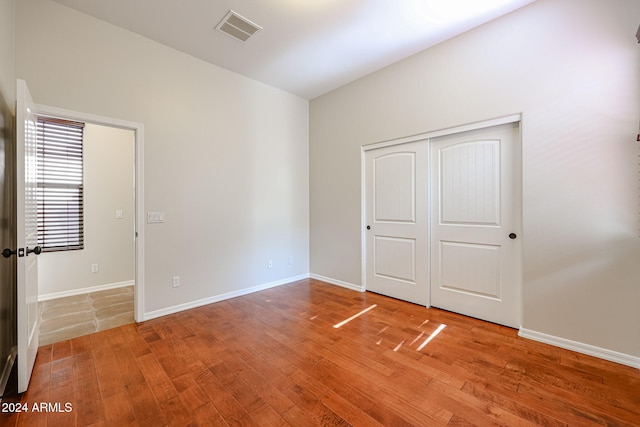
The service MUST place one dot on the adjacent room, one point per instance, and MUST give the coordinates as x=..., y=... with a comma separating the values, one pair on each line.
x=331, y=213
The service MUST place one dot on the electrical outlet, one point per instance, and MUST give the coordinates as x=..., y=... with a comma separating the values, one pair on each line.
x=94, y=268
x=270, y=263
x=175, y=281
x=290, y=260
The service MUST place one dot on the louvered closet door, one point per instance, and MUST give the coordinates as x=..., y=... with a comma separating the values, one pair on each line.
x=475, y=226
x=396, y=215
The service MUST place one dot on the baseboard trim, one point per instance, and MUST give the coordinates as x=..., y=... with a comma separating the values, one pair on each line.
x=81, y=291
x=217, y=298
x=602, y=353
x=337, y=282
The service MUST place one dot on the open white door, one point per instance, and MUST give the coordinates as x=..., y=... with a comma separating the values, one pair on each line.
x=27, y=237
x=396, y=215
x=475, y=224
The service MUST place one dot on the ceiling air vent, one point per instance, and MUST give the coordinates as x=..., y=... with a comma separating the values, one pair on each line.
x=237, y=26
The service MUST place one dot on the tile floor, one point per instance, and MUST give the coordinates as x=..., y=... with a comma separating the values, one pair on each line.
x=78, y=315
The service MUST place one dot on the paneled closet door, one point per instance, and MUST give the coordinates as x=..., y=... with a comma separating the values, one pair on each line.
x=396, y=204
x=475, y=224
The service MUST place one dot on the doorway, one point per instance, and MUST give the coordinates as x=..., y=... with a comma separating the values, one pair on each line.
x=453, y=232
x=136, y=130
x=90, y=290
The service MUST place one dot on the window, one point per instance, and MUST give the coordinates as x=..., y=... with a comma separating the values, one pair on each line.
x=60, y=190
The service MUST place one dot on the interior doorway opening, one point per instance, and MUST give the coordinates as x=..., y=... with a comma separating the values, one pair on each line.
x=91, y=289
x=135, y=131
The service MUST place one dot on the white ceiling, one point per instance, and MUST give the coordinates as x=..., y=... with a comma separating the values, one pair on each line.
x=306, y=47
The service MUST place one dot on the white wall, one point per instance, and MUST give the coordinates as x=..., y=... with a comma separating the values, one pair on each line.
x=572, y=68
x=226, y=157
x=109, y=242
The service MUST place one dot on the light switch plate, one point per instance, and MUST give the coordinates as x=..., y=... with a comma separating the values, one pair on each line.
x=155, y=217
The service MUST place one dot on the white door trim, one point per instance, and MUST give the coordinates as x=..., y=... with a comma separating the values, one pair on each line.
x=138, y=129
x=513, y=118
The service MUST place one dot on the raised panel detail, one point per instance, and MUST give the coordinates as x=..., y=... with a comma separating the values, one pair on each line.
x=470, y=183
x=395, y=257
x=394, y=188
x=470, y=268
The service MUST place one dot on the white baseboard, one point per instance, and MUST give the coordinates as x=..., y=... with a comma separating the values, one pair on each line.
x=217, y=298
x=81, y=291
x=602, y=353
x=338, y=282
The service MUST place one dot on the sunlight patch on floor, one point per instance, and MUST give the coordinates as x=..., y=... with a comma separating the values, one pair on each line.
x=432, y=336
x=399, y=345
x=344, y=322
x=417, y=338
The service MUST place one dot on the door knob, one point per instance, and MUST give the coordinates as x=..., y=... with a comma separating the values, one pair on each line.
x=512, y=235
x=368, y=227
x=8, y=252
x=37, y=250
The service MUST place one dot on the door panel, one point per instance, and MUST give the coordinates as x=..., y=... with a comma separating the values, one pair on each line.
x=396, y=212
x=27, y=229
x=475, y=267
x=470, y=268
x=471, y=183
x=395, y=258
x=395, y=187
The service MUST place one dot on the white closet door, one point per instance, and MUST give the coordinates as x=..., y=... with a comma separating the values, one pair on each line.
x=475, y=224
x=397, y=225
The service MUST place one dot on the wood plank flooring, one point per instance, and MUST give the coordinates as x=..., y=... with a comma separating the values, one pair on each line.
x=275, y=358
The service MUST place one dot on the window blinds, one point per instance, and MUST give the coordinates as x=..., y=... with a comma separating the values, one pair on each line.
x=60, y=184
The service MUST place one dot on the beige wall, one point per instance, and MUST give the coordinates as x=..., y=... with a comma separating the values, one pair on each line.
x=225, y=157
x=7, y=76
x=109, y=242
x=571, y=67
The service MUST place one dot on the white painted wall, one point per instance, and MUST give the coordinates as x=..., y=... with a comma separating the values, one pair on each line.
x=226, y=157
x=109, y=242
x=572, y=68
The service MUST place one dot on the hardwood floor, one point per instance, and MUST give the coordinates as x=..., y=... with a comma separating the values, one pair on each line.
x=276, y=358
